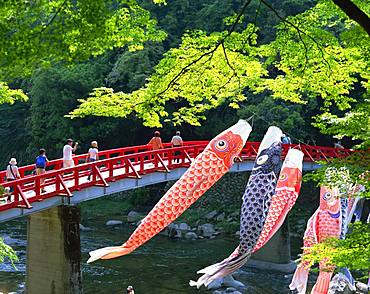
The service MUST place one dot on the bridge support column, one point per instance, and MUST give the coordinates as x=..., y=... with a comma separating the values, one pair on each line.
x=275, y=255
x=53, y=251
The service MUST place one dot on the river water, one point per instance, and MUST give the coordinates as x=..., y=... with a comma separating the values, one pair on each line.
x=162, y=266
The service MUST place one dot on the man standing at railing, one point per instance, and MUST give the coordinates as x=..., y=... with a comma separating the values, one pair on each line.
x=67, y=153
x=177, y=142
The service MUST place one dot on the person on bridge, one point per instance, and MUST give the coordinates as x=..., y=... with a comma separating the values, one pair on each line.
x=156, y=141
x=177, y=142
x=130, y=290
x=338, y=144
x=12, y=172
x=286, y=139
x=92, y=155
x=41, y=162
x=67, y=153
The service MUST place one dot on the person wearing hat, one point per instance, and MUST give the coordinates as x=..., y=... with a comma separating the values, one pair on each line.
x=67, y=153
x=130, y=290
x=12, y=172
x=92, y=154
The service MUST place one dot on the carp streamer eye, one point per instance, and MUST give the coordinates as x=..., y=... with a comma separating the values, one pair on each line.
x=262, y=159
x=327, y=196
x=221, y=145
x=283, y=177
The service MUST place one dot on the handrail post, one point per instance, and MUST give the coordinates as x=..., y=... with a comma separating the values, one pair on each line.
x=76, y=178
x=110, y=169
x=37, y=188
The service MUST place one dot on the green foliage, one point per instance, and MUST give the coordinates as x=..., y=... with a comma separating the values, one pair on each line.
x=312, y=57
x=288, y=117
x=354, y=123
x=35, y=34
x=7, y=252
x=356, y=167
x=140, y=197
x=9, y=96
x=208, y=81
x=352, y=252
x=14, y=133
x=39, y=34
x=131, y=69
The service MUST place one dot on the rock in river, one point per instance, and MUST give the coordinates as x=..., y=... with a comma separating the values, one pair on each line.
x=113, y=223
x=206, y=230
x=191, y=236
x=134, y=217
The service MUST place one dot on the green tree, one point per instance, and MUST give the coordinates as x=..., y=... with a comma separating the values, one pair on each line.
x=37, y=34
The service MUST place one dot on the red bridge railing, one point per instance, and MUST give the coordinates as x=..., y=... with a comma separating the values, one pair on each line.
x=127, y=162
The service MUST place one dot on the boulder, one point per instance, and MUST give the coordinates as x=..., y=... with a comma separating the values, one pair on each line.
x=173, y=231
x=229, y=281
x=191, y=236
x=363, y=288
x=9, y=240
x=220, y=217
x=232, y=290
x=85, y=229
x=215, y=284
x=237, y=233
x=211, y=215
x=184, y=227
x=339, y=285
x=134, y=217
x=206, y=230
x=113, y=223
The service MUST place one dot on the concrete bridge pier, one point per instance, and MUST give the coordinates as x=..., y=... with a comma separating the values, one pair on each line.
x=53, y=251
x=275, y=255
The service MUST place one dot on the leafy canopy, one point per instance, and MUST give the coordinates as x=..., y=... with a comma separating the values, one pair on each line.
x=319, y=54
x=36, y=34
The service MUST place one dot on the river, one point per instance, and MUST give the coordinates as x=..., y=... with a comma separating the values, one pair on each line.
x=162, y=266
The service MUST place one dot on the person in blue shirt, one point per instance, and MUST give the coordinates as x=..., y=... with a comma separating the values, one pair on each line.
x=41, y=162
x=285, y=139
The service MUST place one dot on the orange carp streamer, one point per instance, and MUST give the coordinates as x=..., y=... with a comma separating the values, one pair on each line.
x=207, y=168
x=324, y=223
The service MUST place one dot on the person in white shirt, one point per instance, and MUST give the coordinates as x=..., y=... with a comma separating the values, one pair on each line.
x=67, y=153
x=177, y=142
x=92, y=154
x=12, y=173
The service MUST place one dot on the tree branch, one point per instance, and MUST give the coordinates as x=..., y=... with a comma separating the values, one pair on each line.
x=220, y=42
x=300, y=33
x=354, y=13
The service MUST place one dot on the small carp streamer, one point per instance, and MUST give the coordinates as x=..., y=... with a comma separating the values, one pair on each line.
x=207, y=168
x=324, y=223
x=257, y=199
x=286, y=194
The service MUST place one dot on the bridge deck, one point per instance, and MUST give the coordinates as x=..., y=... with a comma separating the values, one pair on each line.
x=119, y=170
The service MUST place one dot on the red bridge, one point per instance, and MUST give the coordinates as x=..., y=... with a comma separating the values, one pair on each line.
x=123, y=169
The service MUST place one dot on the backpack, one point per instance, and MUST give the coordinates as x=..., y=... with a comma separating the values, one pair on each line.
x=40, y=161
